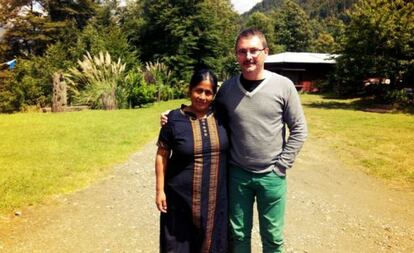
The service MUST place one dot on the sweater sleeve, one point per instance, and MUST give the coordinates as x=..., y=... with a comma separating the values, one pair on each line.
x=294, y=118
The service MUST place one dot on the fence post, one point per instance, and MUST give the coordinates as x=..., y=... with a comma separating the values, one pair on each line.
x=59, y=99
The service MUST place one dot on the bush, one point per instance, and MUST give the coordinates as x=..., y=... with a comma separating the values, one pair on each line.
x=400, y=97
x=143, y=94
x=98, y=81
x=29, y=84
x=151, y=84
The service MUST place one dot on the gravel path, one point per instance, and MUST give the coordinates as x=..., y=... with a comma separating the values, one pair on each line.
x=331, y=208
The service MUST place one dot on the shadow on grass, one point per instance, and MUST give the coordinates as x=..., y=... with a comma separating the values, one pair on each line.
x=358, y=104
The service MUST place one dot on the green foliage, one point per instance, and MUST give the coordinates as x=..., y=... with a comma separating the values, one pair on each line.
x=8, y=96
x=265, y=24
x=292, y=29
x=101, y=34
x=335, y=27
x=137, y=94
x=217, y=26
x=42, y=44
x=398, y=96
x=315, y=9
x=184, y=34
x=142, y=86
x=307, y=25
x=79, y=11
x=30, y=35
x=378, y=42
x=31, y=30
x=132, y=23
x=158, y=75
x=326, y=35
x=30, y=83
x=325, y=43
x=143, y=94
x=27, y=85
x=152, y=83
x=326, y=8
x=96, y=38
x=230, y=68
x=265, y=6
x=98, y=81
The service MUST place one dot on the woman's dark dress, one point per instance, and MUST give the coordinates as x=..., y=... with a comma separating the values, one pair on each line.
x=195, y=185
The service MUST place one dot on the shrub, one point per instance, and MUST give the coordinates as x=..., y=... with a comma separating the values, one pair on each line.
x=29, y=84
x=400, y=97
x=98, y=81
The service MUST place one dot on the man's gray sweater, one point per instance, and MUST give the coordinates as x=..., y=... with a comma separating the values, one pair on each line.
x=257, y=122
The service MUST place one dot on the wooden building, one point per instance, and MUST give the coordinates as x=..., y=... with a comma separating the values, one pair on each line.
x=304, y=69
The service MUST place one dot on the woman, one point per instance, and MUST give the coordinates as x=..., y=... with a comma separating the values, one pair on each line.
x=190, y=174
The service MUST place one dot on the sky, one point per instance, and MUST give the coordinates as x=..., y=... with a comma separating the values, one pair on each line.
x=242, y=6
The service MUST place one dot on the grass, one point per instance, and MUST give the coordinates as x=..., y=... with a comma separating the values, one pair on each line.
x=381, y=144
x=46, y=154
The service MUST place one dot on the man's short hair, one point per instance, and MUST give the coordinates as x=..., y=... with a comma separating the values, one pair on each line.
x=250, y=32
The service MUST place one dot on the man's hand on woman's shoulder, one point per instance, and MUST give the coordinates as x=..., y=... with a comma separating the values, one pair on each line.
x=164, y=117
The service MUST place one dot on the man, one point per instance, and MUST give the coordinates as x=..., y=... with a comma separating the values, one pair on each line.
x=258, y=106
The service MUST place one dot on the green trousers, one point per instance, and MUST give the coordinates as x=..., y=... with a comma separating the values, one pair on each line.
x=269, y=190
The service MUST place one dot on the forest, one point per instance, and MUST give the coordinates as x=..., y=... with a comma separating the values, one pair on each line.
x=124, y=55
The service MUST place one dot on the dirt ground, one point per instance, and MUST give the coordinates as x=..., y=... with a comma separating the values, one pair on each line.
x=331, y=208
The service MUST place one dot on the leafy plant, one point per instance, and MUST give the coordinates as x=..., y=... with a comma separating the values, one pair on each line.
x=398, y=96
x=139, y=92
x=26, y=85
x=98, y=81
x=158, y=74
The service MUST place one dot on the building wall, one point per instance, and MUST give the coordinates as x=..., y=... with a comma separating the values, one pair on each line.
x=303, y=75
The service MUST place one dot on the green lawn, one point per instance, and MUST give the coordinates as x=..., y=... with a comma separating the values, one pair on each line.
x=45, y=154
x=381, y=144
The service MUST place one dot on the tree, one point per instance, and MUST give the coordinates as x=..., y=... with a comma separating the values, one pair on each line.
x=325, y=43
x=186, y=33
x=319, y=9
x=216, y=27
x=292, y=29
x=132, y=23
x=326, y=35
x=34, y=24
x=79, y=11
x=262, y=22
x=267, y=25
x=103, y=33
x=378, y=42
x=27, y=30
x=266, y=6
x=24, y=86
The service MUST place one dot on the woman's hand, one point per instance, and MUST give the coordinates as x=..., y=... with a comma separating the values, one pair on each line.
x=161, y=161
x=161, y=201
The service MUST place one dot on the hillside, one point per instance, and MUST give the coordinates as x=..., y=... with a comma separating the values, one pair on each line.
x=314, y=8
